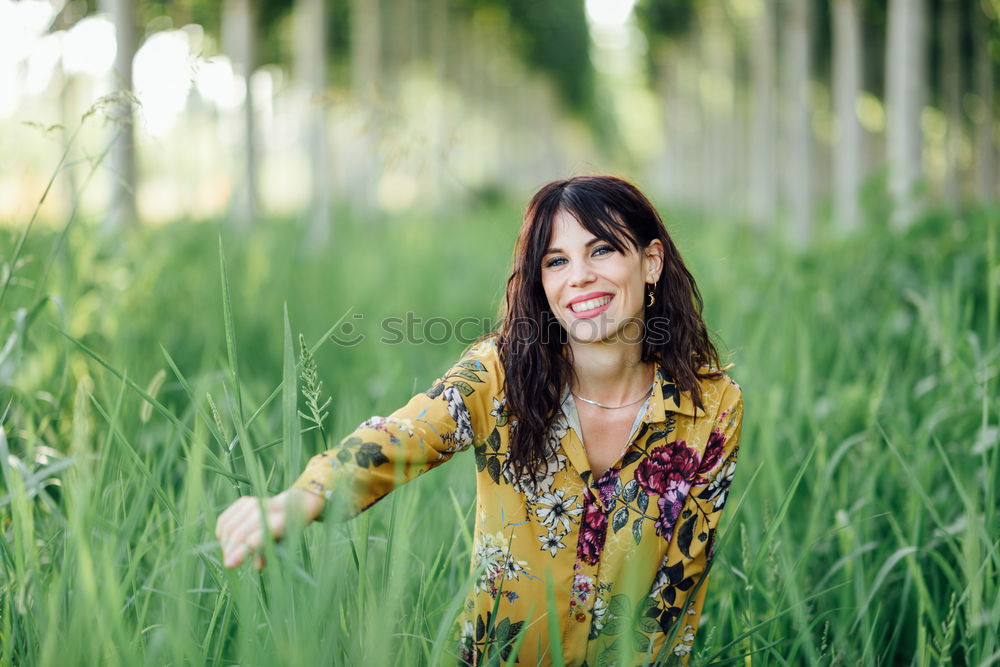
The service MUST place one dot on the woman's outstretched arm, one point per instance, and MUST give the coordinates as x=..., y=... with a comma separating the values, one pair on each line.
x=381, y=454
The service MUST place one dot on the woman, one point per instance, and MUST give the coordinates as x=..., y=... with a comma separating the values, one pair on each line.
x=604, y=434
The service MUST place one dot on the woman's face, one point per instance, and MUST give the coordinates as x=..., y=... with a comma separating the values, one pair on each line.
x=595, y=292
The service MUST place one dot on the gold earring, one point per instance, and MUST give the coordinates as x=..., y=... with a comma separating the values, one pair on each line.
x=652, y=299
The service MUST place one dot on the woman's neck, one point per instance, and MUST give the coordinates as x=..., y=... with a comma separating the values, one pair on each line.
x=609, y=374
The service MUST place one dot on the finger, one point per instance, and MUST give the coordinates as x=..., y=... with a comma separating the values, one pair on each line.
x=223, y=521
x=277, y=520
x=259, y=562
x=242, y=522
x=233, y=557
x=231, y=536
x=245, y=509
x=243, y=532
x=242, y=525
x=239, y=550
x=251, y=523
x=233, y=554
x=231, y=515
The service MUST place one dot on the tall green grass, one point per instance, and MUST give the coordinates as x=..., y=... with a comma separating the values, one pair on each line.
x=150, y=380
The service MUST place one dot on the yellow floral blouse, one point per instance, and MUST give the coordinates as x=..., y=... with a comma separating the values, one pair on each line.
x=621, y=559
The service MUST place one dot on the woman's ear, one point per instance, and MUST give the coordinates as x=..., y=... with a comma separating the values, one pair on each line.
x=653, y=260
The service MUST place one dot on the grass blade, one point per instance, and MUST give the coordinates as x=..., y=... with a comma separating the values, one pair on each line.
x=289, y=403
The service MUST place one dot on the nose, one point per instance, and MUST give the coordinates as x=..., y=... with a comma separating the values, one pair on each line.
x=580, y=274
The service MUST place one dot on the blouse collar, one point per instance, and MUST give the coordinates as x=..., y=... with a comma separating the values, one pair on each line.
x=668, y=398
x=665, y=398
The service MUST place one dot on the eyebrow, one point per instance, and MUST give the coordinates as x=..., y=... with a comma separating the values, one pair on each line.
x=550, y=251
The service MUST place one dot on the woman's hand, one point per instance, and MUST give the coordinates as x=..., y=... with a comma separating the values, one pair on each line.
x=241, y=532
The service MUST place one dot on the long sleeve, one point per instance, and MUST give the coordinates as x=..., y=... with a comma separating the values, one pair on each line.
x=385, y=452
x=692, y=544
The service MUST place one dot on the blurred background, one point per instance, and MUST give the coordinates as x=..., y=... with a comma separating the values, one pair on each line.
x=776, y=113
x=186, y=188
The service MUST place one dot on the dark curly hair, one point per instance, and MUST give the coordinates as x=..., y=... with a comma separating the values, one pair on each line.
x=530, y=341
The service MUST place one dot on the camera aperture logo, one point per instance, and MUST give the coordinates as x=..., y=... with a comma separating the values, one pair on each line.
x=415, y=329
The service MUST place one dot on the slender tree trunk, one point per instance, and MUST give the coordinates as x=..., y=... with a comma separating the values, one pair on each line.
x=762, y=165
x=438, y=35
x=985, y=147
x=311, y=25
x=366, y=50
x=719, y=138
x=239, y=26
x=366, y=83
x=739, y=116
x=417, y=21
x=670, y=170
x=68, y=115
x=951, y=92
x=905, y=75
x=685, y=124
x=397, y=33
x=122, y=205
x=846, y=88
x=798, y=145
x=696, y=126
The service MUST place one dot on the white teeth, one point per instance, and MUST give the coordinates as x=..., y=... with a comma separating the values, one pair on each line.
x=581, y=306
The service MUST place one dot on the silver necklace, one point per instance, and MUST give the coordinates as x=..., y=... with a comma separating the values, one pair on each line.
x=615, y=407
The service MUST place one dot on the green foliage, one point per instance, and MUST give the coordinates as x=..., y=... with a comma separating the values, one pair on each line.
x=312, y=390
x=554, y=38
x=666, y=18
x=862, y=526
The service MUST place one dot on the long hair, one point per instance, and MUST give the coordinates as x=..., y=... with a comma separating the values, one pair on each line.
x=531, y=342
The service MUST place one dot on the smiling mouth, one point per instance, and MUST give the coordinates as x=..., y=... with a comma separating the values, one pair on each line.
x=591, y=306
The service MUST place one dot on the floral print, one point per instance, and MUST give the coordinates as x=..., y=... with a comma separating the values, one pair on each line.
x=593, y=530
x=552, y=542
x=670, y=504
x=624, y=556
x=539, y=481
x=718, y=489
x=666, y=467
x=458, y=412
x=670, y=471
x=583, y=589
x=555, y=510
x=713, y=450
x=498, y=563
x=599, y=613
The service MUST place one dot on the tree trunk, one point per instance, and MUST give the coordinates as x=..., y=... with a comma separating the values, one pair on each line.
x=122, y=205
x=985, y=148
x=685, y=122
x=764, y=139
x=951, y=92
x=397, y=34
x=798, y=144
x=366, y=83
x=439, y=33
x=68, y=100
x=846, y=88
x=719, y=137
x=669, y=172
x=905, y=73
x=239, y=40
x=366, y=50
x=68, y=114
x=310, y=52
